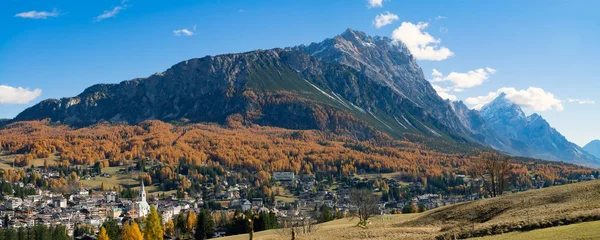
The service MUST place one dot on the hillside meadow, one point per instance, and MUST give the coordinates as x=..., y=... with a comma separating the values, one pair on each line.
x=562, y=212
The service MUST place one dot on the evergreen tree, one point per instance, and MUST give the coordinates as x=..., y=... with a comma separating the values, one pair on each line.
x=326, y=215
x=181, y=225
x=22, y=233
x=205, y=226
x=10, y=234
x=112, y=229
x=154, y=229
x=60, y=233
x=422, y=208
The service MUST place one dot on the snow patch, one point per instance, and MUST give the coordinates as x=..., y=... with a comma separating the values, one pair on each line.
x=406, y=120
x=380, y=120
x=432, y=131
x=339, y=98
x=398, y=121
x=358, y=108
x=323, y=92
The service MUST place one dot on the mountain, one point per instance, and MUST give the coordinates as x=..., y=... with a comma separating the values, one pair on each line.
x=388, y=63
x=474, y=121
x=352, y=84
x=593, y=148
x=532, y=134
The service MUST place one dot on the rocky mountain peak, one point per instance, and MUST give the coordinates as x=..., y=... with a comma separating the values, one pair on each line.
x=502, y=107
x=534, y=135
x=389, y=63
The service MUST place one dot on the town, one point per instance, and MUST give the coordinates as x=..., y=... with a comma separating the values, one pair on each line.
x=278, y=200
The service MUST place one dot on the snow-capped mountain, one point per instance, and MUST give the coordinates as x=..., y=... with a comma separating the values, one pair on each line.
x=531, y=136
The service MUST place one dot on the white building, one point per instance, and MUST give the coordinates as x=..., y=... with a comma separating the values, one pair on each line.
x=143, y=208
x=60, y=202
x=13, y=203
x=284, y=176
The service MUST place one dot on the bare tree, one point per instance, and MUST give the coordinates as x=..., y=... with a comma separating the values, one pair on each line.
x=494, y=170
x=366, y=204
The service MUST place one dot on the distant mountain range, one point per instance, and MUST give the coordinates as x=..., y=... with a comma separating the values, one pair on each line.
x=351, y=84
x=508, y=129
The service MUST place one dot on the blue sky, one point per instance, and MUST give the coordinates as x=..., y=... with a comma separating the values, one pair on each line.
x=543, y=54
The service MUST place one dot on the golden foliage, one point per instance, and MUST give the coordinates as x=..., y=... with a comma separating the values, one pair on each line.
x=131, y=231
x=258, y=149
x=102, y=235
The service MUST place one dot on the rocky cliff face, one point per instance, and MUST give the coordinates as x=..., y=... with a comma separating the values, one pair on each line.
x=388, y=63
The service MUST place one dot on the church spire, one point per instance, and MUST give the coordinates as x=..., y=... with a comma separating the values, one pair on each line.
x=143, y=192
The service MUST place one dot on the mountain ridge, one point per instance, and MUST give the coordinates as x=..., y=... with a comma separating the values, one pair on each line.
x=214, y=88
x=540, y=139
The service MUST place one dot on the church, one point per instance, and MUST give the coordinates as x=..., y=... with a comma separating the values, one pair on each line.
x=143, y=208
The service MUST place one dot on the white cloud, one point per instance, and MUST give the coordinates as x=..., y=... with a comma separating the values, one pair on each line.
x=440, y=17
x=375, y=3
x=581, y=101
x=444, y=92
x=109, y=13
x=183, y=32
x=471, y=78
x=38, y=15
x=421, y=44
x=385, y=19
x=532, y=98
x=18, y=95
x=461, y=81
x=437, y=76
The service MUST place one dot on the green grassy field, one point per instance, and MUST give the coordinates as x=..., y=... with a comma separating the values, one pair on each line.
x=581, y=231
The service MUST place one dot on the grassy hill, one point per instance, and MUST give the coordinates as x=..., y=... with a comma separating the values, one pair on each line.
x=530, y=210
x=580, y=231
x=562, y=212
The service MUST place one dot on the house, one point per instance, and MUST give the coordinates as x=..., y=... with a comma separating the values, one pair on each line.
x=257, y=202
x=86, y=237
x=83, y=192
x=242, y=204
x=13, y=203
x=114, y=212
x=284, y=176
x=111, y=197
x=246, y=205
x=60, y=202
